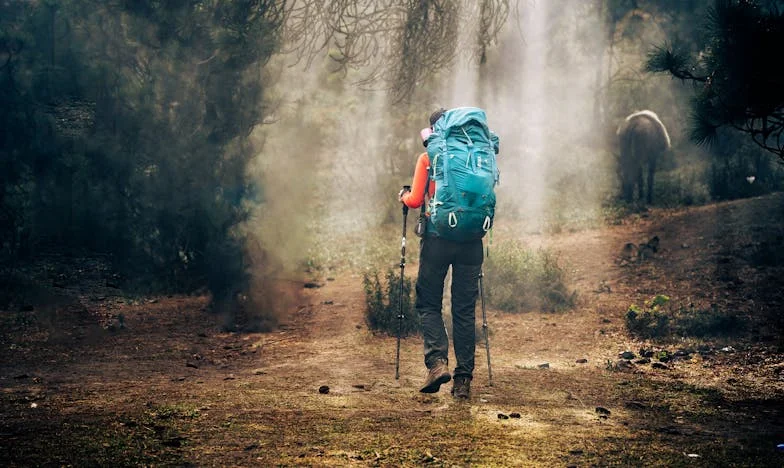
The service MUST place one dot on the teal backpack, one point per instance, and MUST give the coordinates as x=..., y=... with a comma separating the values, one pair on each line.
x=462, y=153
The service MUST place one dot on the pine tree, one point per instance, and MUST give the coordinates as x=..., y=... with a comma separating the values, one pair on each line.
x=738, y=74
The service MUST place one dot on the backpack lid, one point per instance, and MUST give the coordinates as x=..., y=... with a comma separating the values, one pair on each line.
x=460, y=116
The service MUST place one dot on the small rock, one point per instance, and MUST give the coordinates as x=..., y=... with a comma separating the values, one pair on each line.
x=514, y=415
x=259, y=372
x=358, y=326
x=328, y=302
x=627, y=355
x=646, y=352
x=575, y=452
x=643, y=361
x=190, y=364
x=426, y=458
x=311, y=285
x=229, y=377
x=502, y=416
x=330, y=278
x=624, y=365
x=21, y=376
x=359, y=386
x=602, y=410
x=323, y=389
x=692, y=455
x=728, y=349
x=684, y=246
x=635, y=405
x=659, y=365
x=581, y=361
x=545, y=365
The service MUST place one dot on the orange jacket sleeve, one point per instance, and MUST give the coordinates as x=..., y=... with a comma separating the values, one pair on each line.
x=416, y=196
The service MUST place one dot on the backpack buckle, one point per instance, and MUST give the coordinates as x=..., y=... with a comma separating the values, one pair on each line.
x=487, y=224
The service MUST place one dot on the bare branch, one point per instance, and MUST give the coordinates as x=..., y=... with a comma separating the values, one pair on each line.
x=395, y=43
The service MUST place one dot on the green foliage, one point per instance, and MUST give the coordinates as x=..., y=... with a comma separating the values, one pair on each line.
x=126, y=131
x=519, y=279
x=734, y=162
x=684, y=186
x=649, y=321
x=657, y=319
x=383, y=304
x=737, y=71
x=707, y=322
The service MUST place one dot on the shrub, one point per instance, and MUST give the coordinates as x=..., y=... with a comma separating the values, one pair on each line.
x=657, y=319
x=651, y=320
x=706, y=322
x=383, y=304
x=523, y=279
x=680, y=187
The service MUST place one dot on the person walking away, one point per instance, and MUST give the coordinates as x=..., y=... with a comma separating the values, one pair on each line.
x=452, y=236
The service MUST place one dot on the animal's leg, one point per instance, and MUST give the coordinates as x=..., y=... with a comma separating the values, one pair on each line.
x=651, y=171
x=627, y=188
x=640, y=195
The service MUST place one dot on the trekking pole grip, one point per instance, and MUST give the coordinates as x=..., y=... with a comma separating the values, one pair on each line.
x=406, y=188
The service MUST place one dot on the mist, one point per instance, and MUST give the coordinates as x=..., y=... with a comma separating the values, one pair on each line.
x=336, y=148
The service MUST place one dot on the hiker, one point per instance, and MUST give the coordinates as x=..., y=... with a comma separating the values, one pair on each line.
x=451, y=238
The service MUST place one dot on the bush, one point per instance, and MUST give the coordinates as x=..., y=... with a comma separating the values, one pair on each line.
x=383, y=304
x=680, y=187
x=737, y=160
x=649, y=321
x=657, y=319
x=520, y=279
x=707, y=322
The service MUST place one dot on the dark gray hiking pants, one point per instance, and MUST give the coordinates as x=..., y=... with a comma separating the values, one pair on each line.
x=435, y=257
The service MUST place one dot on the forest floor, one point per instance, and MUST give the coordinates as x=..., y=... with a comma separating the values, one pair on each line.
x=167, y=387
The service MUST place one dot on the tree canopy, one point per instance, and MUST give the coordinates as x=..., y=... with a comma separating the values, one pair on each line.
x=738, y=72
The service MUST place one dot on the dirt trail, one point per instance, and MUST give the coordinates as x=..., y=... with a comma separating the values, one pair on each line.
x=168, y=388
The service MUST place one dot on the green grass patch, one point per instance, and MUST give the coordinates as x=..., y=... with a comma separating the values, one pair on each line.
x=519, y=279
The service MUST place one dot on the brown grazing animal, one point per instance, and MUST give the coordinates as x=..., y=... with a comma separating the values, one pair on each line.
x=643, y=139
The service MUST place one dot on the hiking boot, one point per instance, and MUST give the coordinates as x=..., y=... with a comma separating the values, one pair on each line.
x=436, y=375
x=461, y=388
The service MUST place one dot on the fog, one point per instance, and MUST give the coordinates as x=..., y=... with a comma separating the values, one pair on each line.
x=333, y=153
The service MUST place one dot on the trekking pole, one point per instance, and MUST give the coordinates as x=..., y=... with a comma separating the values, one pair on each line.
x=484, y=328
x=400, y=316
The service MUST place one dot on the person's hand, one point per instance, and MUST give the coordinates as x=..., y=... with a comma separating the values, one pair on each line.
x=402, y=192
